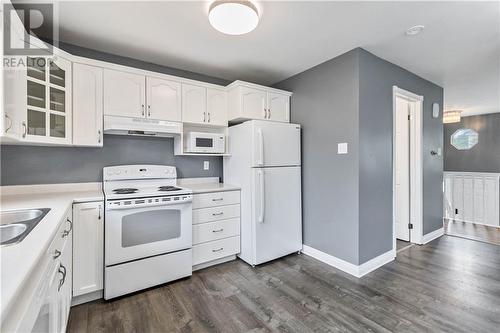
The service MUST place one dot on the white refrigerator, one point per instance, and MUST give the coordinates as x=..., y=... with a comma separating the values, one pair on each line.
x=265, y=162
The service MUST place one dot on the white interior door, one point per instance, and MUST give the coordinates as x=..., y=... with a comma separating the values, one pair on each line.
x=277, y=212
x=275, y=144
x=164, y=99
x=402, y=169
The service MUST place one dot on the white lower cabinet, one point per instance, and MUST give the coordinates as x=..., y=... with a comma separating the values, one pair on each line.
x=216, y=227
x=49, y=309
x=88, y=247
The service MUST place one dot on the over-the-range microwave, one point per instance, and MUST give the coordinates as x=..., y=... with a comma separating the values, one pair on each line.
x=211, y=143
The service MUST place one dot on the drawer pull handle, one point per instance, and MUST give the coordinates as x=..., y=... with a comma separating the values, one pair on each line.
x=218, y=199
x=218, y=214
x=218, y=250
x=57, y=254
x=218, y=230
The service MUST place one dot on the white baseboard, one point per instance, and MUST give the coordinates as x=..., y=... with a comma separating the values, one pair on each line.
x=355, y=270
x=85, y=298
x=432, y=235
x=214, y=262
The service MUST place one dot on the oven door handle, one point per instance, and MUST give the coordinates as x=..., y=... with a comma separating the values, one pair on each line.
x=177, y=205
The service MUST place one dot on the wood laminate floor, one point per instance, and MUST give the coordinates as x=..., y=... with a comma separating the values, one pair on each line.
x=479, y=232
x=449, y=285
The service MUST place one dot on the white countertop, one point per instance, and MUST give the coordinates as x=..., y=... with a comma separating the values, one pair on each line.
x=18, y=260
x=211, y=187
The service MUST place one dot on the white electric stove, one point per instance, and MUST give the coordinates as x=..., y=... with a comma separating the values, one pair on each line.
x=148, y=228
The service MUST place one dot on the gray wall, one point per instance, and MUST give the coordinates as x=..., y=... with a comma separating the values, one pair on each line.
x=23, y=165
x=325, y=103
x=483, y=157
x=377, y=77
x=347, y=199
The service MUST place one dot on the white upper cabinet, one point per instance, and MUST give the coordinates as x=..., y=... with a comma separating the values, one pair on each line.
x=253, y=103
x=163, y=99
x=278, y=107
x=194, y=104
x=216, y=107
x=38, y=101
x=250, y=101
x=87, y=105
x=124, y=94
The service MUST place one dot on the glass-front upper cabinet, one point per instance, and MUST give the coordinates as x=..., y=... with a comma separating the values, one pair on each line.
x=48, y=100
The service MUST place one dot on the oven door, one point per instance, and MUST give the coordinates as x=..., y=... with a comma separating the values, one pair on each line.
x=137, y=233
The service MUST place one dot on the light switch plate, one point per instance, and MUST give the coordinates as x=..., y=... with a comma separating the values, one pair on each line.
x=342, y=148
x=206, y=165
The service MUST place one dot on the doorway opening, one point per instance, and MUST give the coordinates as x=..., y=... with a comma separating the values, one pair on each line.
x=407, y=169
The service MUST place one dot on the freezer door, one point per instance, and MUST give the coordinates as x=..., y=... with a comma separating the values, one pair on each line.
x=275, y=144
x=277, y=214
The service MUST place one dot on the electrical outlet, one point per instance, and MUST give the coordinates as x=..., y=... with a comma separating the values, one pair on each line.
x=206, y=165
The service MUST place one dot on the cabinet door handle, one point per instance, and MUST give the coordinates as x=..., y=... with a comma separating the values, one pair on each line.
x=218, y=250
x=66, y=232
x=218, y=230
x=25, y=129
x=99, y=136
x=57, y=254
x=269, y=113
x=149, y=110
x=218, y=214
x=142, y=110
x=204, y=117
x=100, y=208
x=209, y=117
x=7, y=128
x=217, y=199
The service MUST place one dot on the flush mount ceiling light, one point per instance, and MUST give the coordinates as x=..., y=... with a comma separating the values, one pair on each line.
x=233, y=17
x=415, y=30
x=451, y=117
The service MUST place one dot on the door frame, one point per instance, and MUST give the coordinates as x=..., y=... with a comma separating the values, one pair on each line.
x=416, y=169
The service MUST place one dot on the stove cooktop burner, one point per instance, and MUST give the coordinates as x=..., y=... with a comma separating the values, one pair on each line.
x=125, y=190
x=168, y=188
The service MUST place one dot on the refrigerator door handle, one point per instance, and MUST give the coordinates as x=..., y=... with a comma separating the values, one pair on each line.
x=261, y=147
x=262, y=196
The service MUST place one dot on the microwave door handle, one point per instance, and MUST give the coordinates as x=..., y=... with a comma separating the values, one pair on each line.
x=262, y=196
x=261, y=147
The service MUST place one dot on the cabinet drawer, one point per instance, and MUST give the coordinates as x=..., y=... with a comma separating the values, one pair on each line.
x=215, y=213
x=211, y=231
x=215, y=250
x=216, y=199
x=62, y=235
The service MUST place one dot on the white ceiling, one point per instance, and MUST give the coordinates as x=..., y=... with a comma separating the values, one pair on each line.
x=458, y=50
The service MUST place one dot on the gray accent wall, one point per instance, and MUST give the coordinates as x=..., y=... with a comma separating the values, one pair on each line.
x=347, y=199
x=483, y=157
x=377, y=77
x=325, y=104
x=26, y=165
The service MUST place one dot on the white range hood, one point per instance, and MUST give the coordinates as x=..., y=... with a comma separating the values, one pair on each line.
x=141, y=126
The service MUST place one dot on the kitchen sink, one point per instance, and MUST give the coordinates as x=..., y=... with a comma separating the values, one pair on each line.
x=15, y=225
x=10, y=231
